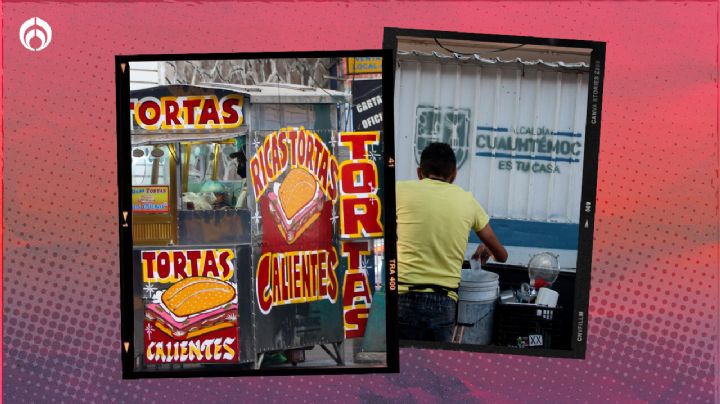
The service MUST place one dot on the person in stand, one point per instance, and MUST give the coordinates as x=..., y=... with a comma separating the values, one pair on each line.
x=434, y=219
x=241, y=160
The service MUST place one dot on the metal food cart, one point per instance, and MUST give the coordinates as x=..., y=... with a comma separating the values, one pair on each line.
x=192, y=209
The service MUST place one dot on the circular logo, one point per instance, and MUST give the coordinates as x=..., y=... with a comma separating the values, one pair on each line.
x=35, y=34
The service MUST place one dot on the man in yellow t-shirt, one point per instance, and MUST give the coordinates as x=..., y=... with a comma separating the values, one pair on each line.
x=434, y=218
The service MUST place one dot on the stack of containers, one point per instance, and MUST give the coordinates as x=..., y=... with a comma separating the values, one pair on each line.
x=477, y=295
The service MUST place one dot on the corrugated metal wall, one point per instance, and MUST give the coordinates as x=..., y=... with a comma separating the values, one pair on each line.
x=518, y=131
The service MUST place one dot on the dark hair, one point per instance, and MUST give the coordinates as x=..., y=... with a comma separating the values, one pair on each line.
x=242, y=161
x=438, y=159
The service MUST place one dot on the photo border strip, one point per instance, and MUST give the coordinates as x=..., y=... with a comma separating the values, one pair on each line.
x=589, y=184
x=122, y=78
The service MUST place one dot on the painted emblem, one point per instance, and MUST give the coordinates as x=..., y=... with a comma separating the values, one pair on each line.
x=447, y=125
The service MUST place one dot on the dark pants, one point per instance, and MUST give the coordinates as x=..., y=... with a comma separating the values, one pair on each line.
x=426, y=316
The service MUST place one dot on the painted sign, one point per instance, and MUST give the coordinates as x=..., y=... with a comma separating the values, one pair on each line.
x=290, y=149
x=446, y=125
x=528, y=149
x=294, y=178
x=298, y=185
x=367, y=105
x=190, y=300
x=151, y=199
x=364, y=65
x=296, y=277
x=360, y=218
x=357, y=294
x=189, y=112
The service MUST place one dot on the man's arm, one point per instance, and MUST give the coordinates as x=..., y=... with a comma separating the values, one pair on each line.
x=492, y=244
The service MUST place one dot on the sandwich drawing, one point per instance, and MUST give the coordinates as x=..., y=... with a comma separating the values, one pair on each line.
x=193, y=307
x=295, y=203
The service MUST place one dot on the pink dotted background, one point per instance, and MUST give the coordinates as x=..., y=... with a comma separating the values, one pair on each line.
x=653, y=315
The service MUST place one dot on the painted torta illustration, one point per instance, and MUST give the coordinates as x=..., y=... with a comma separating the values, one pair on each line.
x=295, y=203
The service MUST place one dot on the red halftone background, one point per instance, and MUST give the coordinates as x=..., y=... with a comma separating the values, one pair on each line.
x=654, y=301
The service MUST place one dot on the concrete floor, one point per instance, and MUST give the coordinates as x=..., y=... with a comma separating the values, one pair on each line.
x=354, y=358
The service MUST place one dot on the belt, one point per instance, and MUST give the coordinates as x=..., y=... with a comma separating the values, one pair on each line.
x=415, y=287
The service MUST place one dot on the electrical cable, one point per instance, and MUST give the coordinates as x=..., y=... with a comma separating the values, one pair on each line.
x=473, y=54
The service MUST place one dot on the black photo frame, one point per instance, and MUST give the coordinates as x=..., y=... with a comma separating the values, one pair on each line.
x=127, y=259
x=575, y=326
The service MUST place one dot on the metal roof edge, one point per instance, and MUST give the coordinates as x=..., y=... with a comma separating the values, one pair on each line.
x=476, y=57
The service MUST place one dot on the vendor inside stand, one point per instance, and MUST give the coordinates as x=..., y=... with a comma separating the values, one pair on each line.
x=205, y=174
x=187, y=194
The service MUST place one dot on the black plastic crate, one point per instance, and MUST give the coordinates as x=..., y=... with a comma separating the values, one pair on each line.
x=521, y=325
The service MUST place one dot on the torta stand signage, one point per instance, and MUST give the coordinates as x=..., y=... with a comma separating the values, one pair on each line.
x=191, y=312
x=360, y=220
x=299, y=187
x=294, y=178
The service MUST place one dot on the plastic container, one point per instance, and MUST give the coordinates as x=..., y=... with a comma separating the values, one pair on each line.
x=473, y=276
x=477, y=296
x=476, y=318
x=478, y=286
x=521, y=325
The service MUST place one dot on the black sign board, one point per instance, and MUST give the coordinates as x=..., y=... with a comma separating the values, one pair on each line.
x=367, y=105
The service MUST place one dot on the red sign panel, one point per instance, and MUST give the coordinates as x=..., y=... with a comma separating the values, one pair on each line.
x=301, y=192
x=294, y=176
x=191, y=312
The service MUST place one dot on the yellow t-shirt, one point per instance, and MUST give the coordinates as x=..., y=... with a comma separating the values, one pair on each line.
x=434, y=219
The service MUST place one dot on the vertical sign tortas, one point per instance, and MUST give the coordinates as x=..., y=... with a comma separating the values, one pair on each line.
x=360, y=218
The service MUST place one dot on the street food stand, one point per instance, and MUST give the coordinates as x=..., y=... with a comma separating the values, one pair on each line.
x=517, y=125
x=221, y=256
